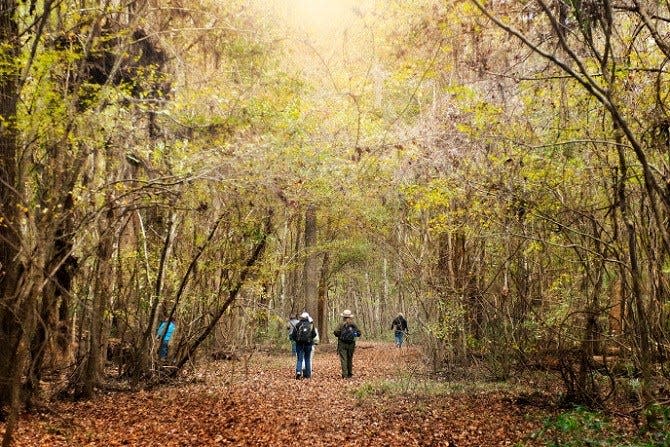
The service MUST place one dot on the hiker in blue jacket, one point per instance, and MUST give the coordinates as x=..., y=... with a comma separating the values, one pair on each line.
x=164, y=333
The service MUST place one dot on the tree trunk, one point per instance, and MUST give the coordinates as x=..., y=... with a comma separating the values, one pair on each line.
x=54, y=319
x=101, y=291
x=641, y=323
x=310, y=276
x=321, y=318
x=293, y=286
x=11, y=270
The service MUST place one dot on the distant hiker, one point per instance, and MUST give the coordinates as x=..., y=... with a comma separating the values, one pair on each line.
x=304, y=335
x=164, y=334
x=292, y=322
x=399, y=325
x=346, y=334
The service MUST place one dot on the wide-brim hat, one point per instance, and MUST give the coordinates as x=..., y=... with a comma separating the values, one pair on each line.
x=347, y=314
x=304, y=316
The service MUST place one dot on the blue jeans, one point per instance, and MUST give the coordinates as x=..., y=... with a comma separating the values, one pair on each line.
x=304, y=352
x=399, y=335
x=163, y=350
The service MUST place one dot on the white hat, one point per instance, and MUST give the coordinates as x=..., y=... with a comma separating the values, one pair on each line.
x=347, y=314
x=304, y=316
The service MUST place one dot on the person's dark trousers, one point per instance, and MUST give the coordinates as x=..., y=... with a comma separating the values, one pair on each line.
x=163, y=351
x=346, y=353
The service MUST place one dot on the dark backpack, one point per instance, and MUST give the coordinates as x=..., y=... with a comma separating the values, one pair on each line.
x=348, y=333
x=303, y=332
x=399, y=324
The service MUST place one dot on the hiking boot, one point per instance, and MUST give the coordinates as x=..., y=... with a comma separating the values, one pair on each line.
x=298, y=376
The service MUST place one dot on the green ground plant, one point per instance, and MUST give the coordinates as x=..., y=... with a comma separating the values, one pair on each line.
x=580, y=427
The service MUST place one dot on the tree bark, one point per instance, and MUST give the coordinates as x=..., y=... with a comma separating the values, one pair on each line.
x=101, y=291
x=11, y=323
x=53, y=321
x=310, y=278
x=321, y=319
x=641, y=322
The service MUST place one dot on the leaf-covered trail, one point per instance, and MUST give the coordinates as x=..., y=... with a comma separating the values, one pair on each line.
x=263, y=405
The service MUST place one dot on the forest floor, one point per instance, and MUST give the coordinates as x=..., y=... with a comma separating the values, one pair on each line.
x=390, y=401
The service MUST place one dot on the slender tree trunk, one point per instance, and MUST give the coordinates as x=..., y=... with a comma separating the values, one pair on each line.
x=641, y=324
x=293, y=287
x=321, y=317
x=140, y=357
x=310, y=277
x=53, y=321
x=102, y=289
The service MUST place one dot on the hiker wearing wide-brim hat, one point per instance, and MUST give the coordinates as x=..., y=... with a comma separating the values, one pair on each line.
x=346, y=334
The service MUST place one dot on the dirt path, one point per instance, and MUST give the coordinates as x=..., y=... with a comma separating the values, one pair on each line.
x=385, y=404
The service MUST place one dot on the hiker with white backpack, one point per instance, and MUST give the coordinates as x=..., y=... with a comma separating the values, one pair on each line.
x=304, y=335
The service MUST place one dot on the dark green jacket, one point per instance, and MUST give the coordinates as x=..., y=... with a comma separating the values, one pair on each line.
x=337, y=332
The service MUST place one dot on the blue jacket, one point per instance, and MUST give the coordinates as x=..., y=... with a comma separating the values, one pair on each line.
x=162, y=328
